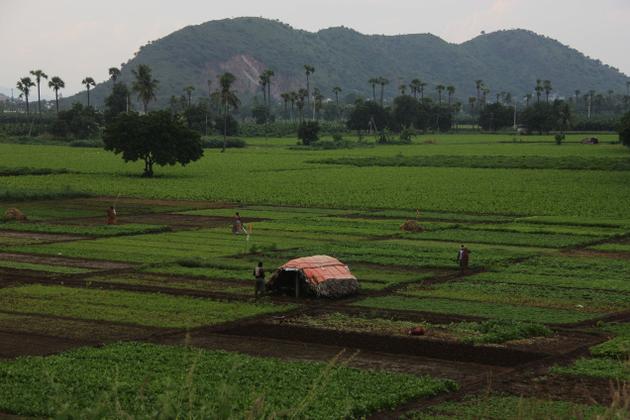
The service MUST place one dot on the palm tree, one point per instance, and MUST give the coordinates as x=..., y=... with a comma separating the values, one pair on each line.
x=114, y=73
x=144, y=85
x=308, y=70
x=591, y=94
x=299, y=101
x=318, y=102
x=415, y=87
x=440, y=89
x=374, y=81
x=577, y=97
x=39, y=75
x=337, y=90
x=450, y=89
x=228, y=100
x=471, y=102
x=269, y=74
x=548, y=88
x=485, y=90
x=286, y=97
x=24, y=85
x=263, y=81
x=402, y=89
x=293, y=97
x=55, y=84
x=528, y=98
x=382, y=81
x=478, y=86
x=421, y=87
x=88, y=82
x=539, y=89
x=189, y=90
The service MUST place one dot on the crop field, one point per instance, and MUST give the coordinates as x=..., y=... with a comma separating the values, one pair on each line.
x=157, y=313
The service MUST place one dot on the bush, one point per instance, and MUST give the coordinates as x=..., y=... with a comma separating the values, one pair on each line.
x=78, y=122
x=624, y=130
x=559, y=139
x=218, y=144
x=308, y=132
x=232, y=126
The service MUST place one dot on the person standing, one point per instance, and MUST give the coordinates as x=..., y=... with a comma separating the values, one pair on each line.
x=111, y=216
x=237, y=227
x=259, y=275
x=462, y=257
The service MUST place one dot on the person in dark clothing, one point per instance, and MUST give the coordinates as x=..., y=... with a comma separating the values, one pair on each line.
x=259, y=275
x=462, y=257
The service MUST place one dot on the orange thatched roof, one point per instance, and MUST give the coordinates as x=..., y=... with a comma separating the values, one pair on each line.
x=320, y=268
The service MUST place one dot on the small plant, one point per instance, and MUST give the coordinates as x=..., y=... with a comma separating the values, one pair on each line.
x=559, y=139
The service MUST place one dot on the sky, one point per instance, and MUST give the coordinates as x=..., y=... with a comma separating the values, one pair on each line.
x=78, y=38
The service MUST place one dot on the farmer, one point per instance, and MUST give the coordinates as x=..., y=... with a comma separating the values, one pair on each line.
x=237, y=226
x=111, y=215
x=259, y=274
x=462, y=258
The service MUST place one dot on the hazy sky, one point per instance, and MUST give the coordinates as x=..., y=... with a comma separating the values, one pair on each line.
x=78, y=38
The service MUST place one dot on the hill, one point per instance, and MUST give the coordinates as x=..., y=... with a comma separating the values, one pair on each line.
x=508, y=61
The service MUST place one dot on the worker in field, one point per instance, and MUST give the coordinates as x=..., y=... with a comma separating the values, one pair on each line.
x=111, y=216
x=259, y=275
x=237, y=226
x=462, y=258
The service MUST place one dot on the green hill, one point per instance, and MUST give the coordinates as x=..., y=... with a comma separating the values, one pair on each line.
x=508, y=61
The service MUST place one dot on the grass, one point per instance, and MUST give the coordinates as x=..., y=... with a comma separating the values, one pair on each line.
x=138, y=380
x=97, y=230
x=603, y=368
x=476, y=309
x=153, y=310
x=173, y=283
x=42, y=267
x=511, y=407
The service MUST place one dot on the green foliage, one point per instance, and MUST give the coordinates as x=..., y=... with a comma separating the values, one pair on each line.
x=308, y=132
x=544, y=117
x=367, y=115
x=496, y=116
x=152, y=310
x=603, y=368
x=229, y=143
x=156, y=138
x=500, y=331
x=112, y=382
x=77, y=122
x=232, y=126
x=116, y=102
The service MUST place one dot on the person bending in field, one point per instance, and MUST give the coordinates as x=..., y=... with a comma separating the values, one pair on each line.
x=111, y=215
x=462, y=258
x=259, y=275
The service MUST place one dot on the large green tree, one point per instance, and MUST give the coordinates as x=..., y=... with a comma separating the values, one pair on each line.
x=624, y=130
x=56, y=84
x=116, y=102
x=144, y=85
x=39, y=75
x=226, y=97
x=157, y=138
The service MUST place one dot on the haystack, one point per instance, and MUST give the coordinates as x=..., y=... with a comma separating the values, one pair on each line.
x=320, y=276
x=411, y=226
x=14, y=214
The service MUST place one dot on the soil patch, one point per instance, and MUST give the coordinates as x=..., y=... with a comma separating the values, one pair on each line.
x=43, y=238
x=14, y=344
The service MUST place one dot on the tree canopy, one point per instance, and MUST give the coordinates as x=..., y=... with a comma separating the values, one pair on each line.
x=156, y=138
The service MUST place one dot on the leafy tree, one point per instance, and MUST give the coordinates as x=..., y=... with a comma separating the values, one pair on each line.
x=155, y=138
x=367, y=115
x=226, y=127
x=404, y=112
x=300, y=96
x=496, y=116
x=261, y=114
x=39, y=75
x=78, y=122
x=544, y=117
x=144, y=85
x=308, y=132
x=116, y=102
x=228, y=100
x=89, y=83
x=198, y=116
x=24, y=85
x=624, y=130
x=56, y=84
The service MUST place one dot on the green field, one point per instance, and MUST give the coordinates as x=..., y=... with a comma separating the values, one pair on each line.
x=548, y=228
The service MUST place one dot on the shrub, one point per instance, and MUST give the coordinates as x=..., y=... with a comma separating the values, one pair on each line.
x=218, y=144
x=308, y=132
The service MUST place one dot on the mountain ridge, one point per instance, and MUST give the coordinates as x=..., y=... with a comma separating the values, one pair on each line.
x=507, y=60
